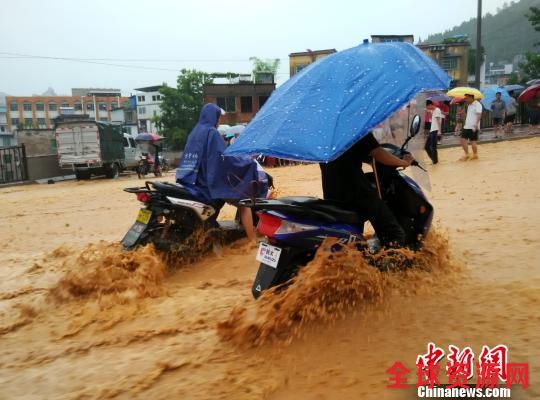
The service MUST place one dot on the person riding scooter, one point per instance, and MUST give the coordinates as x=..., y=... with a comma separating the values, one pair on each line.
x=210, y=175
x=344, y=181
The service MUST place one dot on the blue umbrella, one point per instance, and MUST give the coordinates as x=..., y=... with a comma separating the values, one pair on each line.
x=489, y=96
x=328, y=106
x=511, y=88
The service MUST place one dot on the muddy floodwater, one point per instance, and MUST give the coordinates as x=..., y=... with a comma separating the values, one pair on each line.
x=80, y=319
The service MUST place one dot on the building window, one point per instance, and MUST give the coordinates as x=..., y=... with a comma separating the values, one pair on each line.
x=65, y=105
x=114, y=105
x=102, y=106
x=103, y=119
x=300, y=67
x=448, y=63
x=227, y=103
x=246, y=104
x=14, y=121
x=77, y=106
x=142, y=110
x=40, y=107
x=140, y=98
x=89, y=106
x=262, y=100
x=27, y=107
x=2, y=128
x=28, y=122
x=128, y=116
x=41, y=121
x=13, y=106
x=52, y=107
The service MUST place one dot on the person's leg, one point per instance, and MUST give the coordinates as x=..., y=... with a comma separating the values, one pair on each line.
x=459, y=125
x=427, y=146
x=434, y=142
x=386, y=226
x=511, y=124
x=246, y=218
x=388, y=230
x=474, y=150
x=465, y=147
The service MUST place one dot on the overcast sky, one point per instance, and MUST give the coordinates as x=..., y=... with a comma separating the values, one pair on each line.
x=147, y=42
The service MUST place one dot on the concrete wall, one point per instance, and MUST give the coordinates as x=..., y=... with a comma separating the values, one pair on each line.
x=38, y=142
x=41, y=156
x=43, y=167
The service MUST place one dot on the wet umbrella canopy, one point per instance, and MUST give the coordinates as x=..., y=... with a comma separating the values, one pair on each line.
x=328, y=106
x=512, y=88
x=530, y=93
x=461, y=91
x=489, y=96
x=148, y=137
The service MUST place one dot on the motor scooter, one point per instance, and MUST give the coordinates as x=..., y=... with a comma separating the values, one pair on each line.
x=296, y=226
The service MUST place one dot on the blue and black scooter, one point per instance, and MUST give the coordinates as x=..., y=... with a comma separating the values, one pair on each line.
x=296, y=226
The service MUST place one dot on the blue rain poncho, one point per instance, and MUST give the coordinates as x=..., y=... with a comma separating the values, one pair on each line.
x=205, y=171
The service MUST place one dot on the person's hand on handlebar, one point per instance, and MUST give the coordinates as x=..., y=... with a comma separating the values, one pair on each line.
x=408, y=159
x=384, y=157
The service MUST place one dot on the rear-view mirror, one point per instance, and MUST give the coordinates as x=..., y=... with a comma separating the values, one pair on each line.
x=415, y=125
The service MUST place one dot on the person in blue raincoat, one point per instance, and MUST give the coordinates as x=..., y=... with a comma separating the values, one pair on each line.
x=213, y=177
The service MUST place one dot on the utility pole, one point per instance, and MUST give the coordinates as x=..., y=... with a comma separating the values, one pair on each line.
x=478, y=45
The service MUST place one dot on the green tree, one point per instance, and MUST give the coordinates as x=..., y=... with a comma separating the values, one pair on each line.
x=181, y=106
x=530, y=68
x=264, y=66
x=534, y=18
x=513, y=79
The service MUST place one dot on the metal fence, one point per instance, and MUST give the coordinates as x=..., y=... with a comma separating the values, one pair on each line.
x=13, y=164
x=522, y=117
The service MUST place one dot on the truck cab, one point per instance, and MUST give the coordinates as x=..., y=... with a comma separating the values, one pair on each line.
x=132, y=152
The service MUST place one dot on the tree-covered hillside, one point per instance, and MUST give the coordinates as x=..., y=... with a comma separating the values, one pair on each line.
x=504, y=35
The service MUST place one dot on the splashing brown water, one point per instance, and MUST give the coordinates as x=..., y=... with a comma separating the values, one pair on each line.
x=103, y=270
x=329, y=287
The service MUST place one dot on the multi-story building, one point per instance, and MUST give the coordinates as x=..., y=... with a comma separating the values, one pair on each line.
x=6, y=137
x=392, y=38
x=240, y=100
x=127, y=117
x=300, y=60
x=40, y=111
x=148, y=106
x=452, y=57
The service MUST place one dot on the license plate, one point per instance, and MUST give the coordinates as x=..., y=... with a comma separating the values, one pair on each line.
x=268, y=254
x=144, y=216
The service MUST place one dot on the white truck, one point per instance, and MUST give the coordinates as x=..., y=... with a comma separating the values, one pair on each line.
x=89, y=147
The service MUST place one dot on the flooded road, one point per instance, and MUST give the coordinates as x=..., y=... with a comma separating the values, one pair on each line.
x=79, y=319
